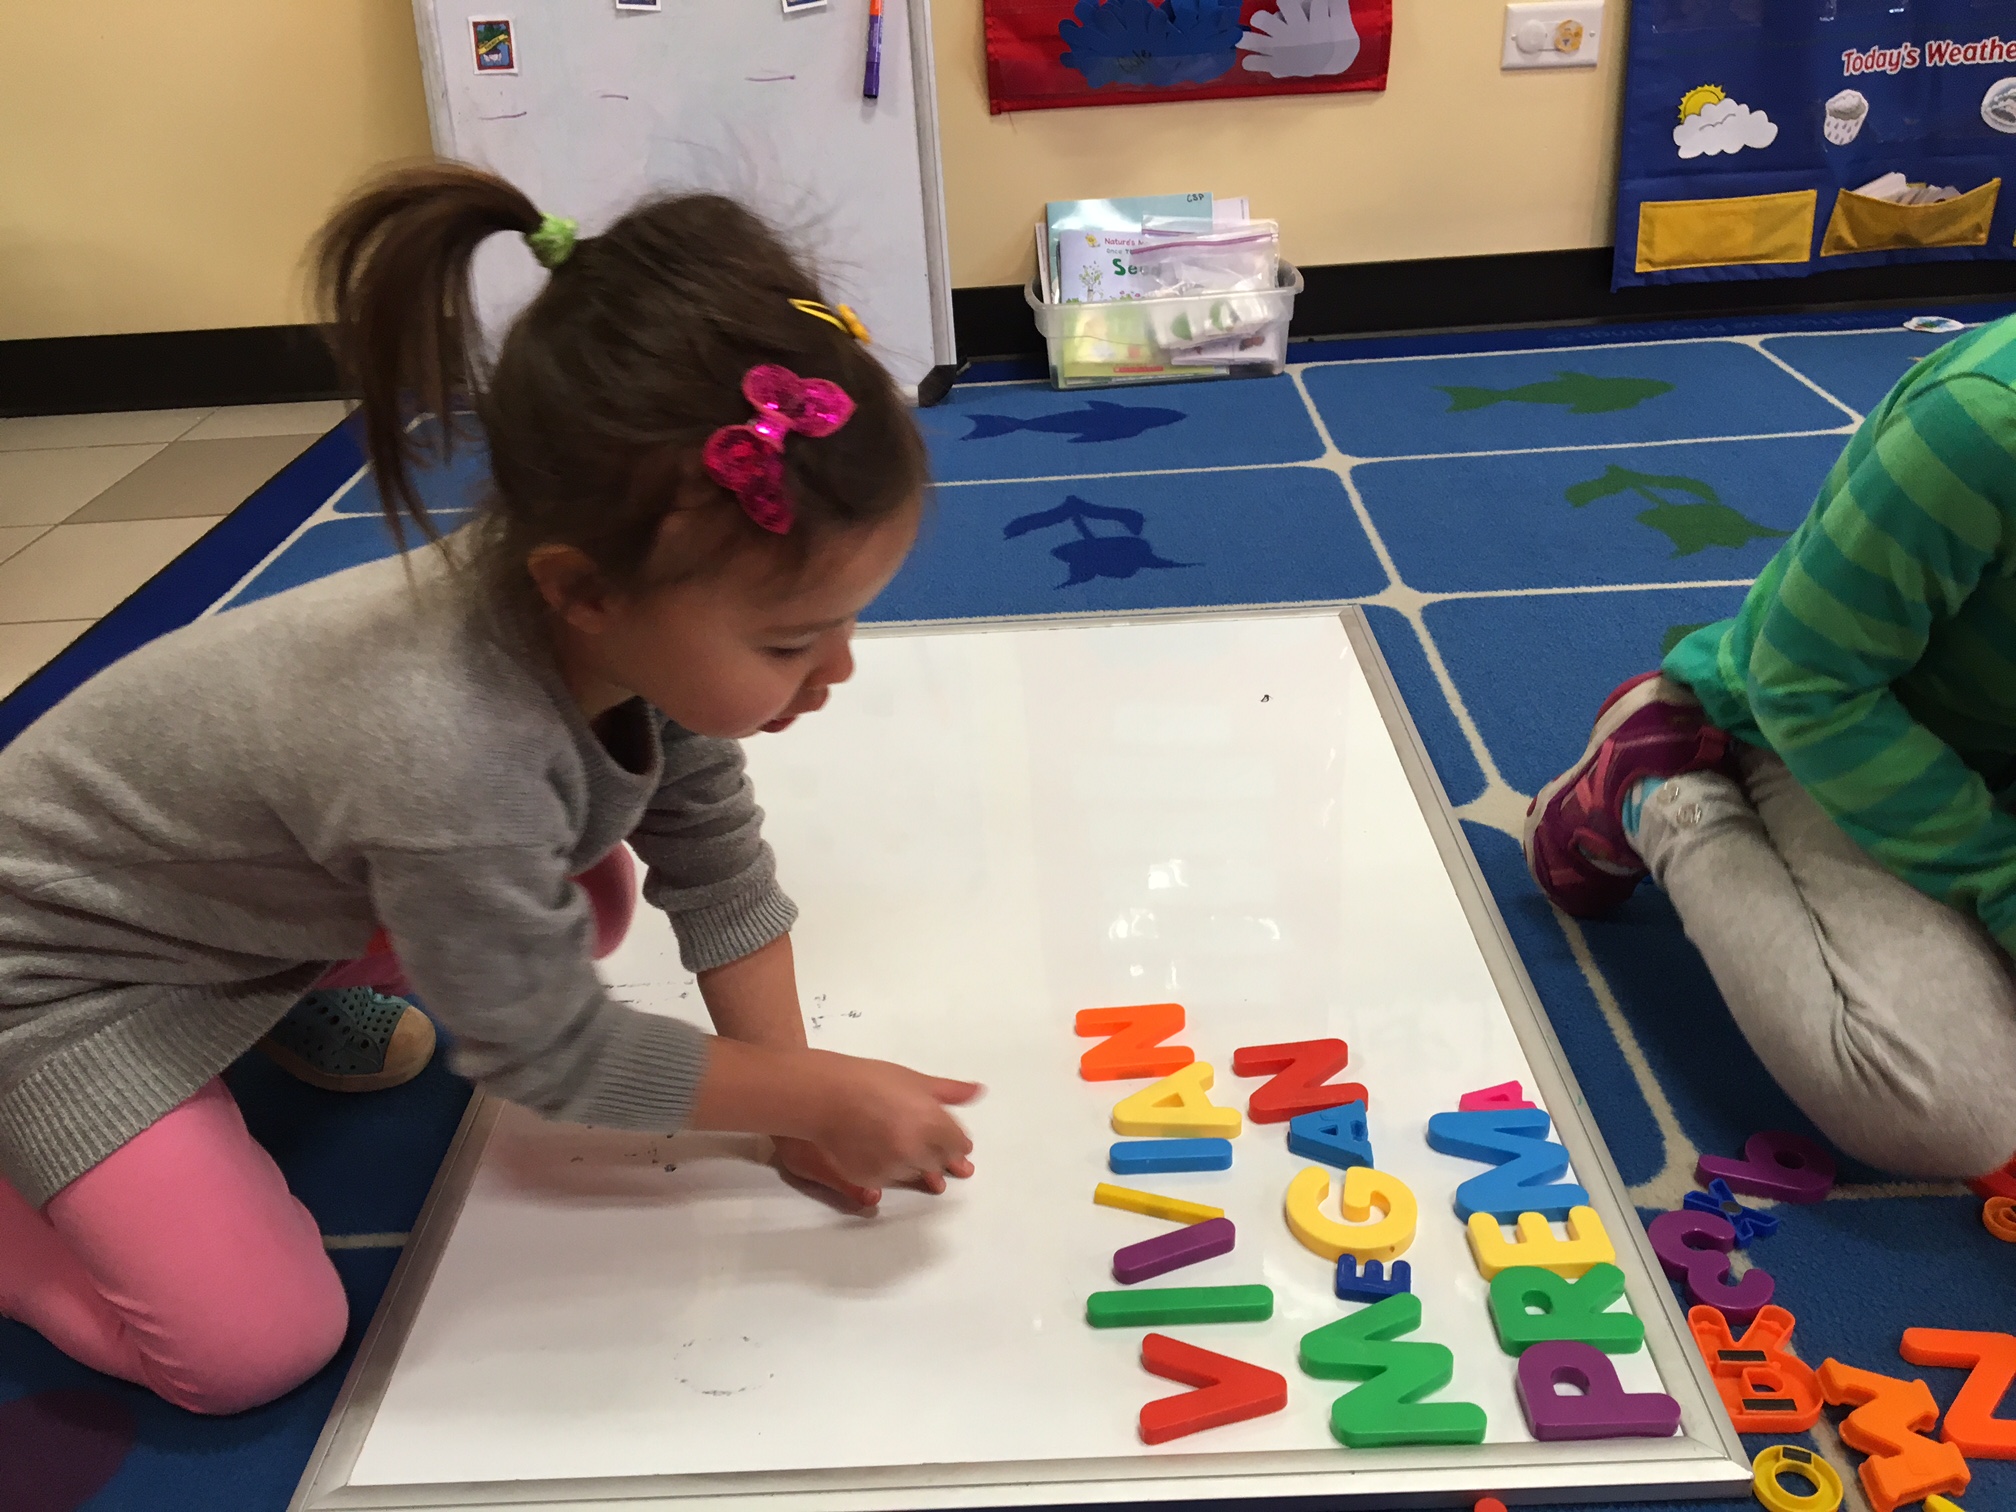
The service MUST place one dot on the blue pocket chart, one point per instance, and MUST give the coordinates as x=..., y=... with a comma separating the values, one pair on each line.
x=1749, y=125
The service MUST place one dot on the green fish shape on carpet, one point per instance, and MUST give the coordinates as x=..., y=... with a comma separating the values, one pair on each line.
x=1579, y=393
x=1693, y=523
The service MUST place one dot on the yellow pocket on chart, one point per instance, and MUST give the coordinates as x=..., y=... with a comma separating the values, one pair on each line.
x=1862, y=224
x=1714, y=233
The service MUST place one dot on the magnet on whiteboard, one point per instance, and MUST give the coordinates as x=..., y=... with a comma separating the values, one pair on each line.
x=793, y=7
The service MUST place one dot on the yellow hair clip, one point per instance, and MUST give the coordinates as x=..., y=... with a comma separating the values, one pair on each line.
x=840, y=317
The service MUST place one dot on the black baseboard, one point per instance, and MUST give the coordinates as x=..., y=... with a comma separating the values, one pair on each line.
x=72, y=375
x=1520, y=289
x=274, y=364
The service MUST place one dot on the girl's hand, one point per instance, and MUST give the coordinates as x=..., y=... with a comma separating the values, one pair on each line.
x=878, y=1123
x=806, y=1161
x=850, y=1124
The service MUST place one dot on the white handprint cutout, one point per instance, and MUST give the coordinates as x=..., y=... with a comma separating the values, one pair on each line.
x=1302, y=40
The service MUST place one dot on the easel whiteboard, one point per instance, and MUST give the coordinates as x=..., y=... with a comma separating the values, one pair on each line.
x=988, y=830
x=606, y=106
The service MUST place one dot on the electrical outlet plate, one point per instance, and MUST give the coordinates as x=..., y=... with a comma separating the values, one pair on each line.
x=1553, y=34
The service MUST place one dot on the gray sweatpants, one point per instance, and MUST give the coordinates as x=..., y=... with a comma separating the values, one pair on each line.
x=1887, y=1016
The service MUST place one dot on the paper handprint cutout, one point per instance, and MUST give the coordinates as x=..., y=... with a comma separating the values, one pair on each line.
x=1303, y=39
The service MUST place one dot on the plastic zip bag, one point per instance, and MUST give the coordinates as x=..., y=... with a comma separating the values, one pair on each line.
x=1191, y=282
x=1233, y=260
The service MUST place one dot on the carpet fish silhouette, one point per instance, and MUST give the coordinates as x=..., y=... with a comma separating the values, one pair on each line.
x=1578, y=393
x=1693, y=523
x=1093, y=555
x=1099, y=420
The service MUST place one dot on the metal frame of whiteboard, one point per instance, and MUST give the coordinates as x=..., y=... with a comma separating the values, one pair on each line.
x=1713, y=1464
x=930, y=157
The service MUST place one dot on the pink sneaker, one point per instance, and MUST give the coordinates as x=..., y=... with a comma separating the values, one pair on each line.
x=1575, y=844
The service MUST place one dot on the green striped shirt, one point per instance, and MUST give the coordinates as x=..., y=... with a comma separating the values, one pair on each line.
x=1876, y=654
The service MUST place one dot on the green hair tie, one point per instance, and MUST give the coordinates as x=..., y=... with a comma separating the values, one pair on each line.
x=553, y=242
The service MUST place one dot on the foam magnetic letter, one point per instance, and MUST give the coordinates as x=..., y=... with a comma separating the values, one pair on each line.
x=1527, y=1162
x=1228, y=1390
x=1748, y=1222
x=1336, y=1136
x=1766, y=1387
x=1375, y=1283
x=1176, y=1107
x=1364, y=1189
x=1301, y=1072
x=1694, y=1247
x=1387, y=1408
x=1573, y=1310
x=1133, y=1044
x=1790, y=1167
x=1604, y=1409
x=1587, y=1244
x=1781, y=1459
x=1504, y=1095
x=1903, y=1465
x=1971, y=1425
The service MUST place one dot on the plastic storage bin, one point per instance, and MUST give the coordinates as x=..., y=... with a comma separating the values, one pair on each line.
x=1122, y=341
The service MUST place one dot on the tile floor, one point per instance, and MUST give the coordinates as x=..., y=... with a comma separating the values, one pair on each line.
x=91, y=506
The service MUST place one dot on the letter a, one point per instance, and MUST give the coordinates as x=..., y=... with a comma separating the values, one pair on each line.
x=1176, y=1108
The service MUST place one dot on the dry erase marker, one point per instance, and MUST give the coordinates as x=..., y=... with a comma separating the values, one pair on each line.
x=871, y=80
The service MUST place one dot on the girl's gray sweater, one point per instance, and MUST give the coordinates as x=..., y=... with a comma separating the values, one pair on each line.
x=192, y=837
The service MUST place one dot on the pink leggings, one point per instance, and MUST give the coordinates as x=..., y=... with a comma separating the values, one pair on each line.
x=182, y=1262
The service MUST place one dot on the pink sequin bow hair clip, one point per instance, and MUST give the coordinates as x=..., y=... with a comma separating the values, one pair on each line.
x=748, y=459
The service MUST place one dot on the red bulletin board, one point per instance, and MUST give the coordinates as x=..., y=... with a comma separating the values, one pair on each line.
x=1045, y=54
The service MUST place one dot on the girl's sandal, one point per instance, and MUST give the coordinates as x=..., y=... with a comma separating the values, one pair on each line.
x=351, y=1039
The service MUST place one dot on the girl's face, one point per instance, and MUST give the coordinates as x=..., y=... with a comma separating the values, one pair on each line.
x=732, y=652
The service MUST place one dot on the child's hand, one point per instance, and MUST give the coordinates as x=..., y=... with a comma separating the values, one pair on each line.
x=850, y=1124
x=877, y=1123
x=806, y=1161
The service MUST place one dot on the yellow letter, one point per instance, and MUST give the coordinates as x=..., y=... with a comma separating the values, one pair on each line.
x=1154, y=1204
x=1586, y=1245
x=1176, y=1107
x=1364, y=1188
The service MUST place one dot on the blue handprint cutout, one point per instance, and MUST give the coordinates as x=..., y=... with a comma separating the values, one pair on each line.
x=1152, y=46
x=1094, y=556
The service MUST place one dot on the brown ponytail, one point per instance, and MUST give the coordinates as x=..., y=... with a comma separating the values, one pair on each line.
x=606, y=386
x=393, y=265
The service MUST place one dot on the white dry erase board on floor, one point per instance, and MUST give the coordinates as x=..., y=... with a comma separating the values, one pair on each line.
x=589, y=106
x=988, y=830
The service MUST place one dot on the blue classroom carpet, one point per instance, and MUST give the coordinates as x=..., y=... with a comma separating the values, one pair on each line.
x=1528, y=517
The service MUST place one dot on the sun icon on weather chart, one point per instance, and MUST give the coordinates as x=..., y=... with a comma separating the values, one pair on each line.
x=1699, y=98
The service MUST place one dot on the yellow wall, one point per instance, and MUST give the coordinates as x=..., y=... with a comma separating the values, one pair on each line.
x=165, y=166
x=1455, y=158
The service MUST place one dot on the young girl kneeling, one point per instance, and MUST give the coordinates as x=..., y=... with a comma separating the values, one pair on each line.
x=699, y=479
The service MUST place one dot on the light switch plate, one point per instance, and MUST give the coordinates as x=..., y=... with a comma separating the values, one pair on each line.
x=1553, y=34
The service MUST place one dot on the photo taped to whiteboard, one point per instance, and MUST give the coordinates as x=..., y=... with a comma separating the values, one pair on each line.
x=496, y=47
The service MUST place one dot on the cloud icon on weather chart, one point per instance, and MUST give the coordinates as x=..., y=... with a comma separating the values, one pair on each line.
x=1711, y=122
x=1304, y=39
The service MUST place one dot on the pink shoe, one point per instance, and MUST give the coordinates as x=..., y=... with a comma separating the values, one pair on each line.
x=1574, y=842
